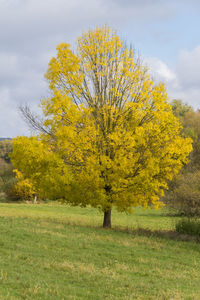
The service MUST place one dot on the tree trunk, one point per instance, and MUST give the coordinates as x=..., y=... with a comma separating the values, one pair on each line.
x=107, y=219
x=35, y=199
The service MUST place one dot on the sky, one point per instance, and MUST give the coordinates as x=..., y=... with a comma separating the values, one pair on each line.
x=166, y=33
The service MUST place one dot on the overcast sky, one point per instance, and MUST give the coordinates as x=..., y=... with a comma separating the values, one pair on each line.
x=165, y=32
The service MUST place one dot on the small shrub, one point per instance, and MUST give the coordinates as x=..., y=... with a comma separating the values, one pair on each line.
x=189, y=226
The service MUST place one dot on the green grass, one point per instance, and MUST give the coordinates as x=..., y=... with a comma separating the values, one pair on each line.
x=59, y=252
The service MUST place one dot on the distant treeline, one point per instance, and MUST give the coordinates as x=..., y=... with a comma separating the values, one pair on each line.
x=2, y=139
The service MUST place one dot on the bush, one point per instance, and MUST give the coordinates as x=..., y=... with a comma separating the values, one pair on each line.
x=189, y=226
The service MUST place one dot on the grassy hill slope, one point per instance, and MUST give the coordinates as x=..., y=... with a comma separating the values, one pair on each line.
x=58, y=252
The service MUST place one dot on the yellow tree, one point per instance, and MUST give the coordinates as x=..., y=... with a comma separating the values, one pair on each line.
x=110, y=125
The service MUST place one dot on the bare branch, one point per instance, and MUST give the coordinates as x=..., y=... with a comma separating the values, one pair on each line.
x=33, y=121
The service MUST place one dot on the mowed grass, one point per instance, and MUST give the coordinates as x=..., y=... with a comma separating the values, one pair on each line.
x=60, y=252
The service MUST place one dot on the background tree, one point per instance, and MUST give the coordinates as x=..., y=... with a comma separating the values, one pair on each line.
x=184, y=190
x=110, y=124
x=180, y=109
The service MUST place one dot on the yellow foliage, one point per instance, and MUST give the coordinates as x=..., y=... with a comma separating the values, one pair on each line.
x=113, y=140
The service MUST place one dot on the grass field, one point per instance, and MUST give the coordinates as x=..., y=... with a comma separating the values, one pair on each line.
x=59, y=252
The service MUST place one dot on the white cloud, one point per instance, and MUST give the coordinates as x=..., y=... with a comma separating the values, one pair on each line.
x=183, y=80
x=10, y=123
x=188, y=68
x=34, y=24
x=160, y=70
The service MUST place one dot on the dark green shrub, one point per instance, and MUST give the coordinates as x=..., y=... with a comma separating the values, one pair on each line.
x=188, y=226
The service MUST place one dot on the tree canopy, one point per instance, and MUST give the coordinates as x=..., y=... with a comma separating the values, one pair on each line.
x=180, y=109
x=109, y=137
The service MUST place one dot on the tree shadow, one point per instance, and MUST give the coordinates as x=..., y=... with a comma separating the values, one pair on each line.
x=166, y=234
